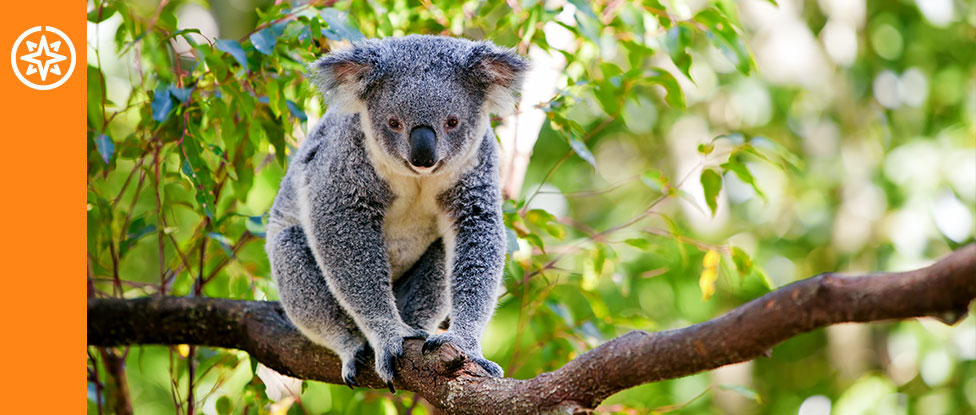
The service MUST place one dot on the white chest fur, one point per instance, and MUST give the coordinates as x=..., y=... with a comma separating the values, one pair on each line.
x=415, y=220
x=411, y=222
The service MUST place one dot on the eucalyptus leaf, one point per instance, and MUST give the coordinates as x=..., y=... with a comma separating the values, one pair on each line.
x=711, y=182
x=255, y=225
x=105, y=147
x=340, y=28
x=296, y=111
x=264, y=40
x=235, y=50
x=162, y=103
x=584, y=153
x=181, y=94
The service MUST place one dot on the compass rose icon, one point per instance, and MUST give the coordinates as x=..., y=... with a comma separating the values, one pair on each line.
x=43, y=57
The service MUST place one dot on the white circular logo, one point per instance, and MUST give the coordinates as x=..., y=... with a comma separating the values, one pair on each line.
x=43, y=57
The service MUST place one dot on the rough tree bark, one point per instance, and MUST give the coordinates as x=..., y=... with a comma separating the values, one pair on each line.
x=456, y=385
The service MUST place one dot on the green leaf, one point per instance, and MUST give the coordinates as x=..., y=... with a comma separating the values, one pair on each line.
x=512, y=244
x=735, y=165
x=676, y=40
x=275, y=98
x=183, y=33
x=296, y=111
x=96, y=94
x=535, y=241
x=675, y=96
x=224, y=242
x=641, y=244
x=771, y=152
x=255, y=225
x=181, y=94
x=742, y=261
x=580, y=148
x=235, y=50
x=658, y=9
x=655, y=180
x=167, y=19
x=588, y=23
x=340, y=28
x=546, y=221
x=584, y=6
x=264, y=40
x=276, y=136
x=723, y=34
x=711, y=182
x=562, y=311
x=196, y=169
x=105, y=147
x=101, y=12
x=162, y=103
x=531, y=25
x=244, y=169
x=137, y=229
x=254, y=366
x=609, y=97
x=315, y=28
x=217, y=67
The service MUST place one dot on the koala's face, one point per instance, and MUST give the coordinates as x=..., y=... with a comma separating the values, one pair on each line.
x=424, y=100
x=425, y=123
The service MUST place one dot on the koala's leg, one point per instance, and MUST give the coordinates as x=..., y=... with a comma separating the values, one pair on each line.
x=309, y=303
x=421, y=292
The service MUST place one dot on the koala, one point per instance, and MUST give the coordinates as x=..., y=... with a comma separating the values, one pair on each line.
x=389, y=217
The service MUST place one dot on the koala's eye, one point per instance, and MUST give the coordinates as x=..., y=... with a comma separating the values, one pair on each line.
x=394, y=124
x=452, y=122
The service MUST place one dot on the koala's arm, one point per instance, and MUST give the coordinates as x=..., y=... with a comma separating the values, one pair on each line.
x=476, y=243
x=343, y=223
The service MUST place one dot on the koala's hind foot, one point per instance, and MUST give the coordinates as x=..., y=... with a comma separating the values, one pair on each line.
x=352, y=367
x=309, y=303
x=467, y=346
x=388, y=352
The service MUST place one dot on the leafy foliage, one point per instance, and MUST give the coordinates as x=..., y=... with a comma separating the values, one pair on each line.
x=675, y=177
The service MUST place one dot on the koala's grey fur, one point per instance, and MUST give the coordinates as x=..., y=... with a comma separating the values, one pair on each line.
x=368, y=250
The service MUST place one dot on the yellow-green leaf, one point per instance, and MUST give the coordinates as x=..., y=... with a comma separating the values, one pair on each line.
x=711, y=182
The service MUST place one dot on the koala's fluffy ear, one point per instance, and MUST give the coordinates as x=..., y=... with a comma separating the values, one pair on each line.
x=344, y=76
x=500, y=72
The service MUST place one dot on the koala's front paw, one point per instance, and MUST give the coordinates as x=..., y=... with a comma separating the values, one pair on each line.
x=389, y=352
x=468, y=346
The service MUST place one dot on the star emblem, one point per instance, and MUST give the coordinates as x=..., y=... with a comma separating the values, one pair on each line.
x=49, y=55
x=43, y=58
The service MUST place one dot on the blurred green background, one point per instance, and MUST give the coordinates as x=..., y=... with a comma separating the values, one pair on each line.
x=781, y=138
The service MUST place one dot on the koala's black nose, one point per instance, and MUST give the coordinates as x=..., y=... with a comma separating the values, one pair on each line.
x=422, y=150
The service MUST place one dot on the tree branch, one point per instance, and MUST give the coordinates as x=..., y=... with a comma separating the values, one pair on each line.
x=458, y=386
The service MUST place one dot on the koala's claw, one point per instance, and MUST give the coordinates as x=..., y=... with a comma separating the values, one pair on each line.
x=491, y=367
x=417, y=334
x=349, y=373
x=387, y=361
x=433, y=343
x=362, y=355
x=389, y=384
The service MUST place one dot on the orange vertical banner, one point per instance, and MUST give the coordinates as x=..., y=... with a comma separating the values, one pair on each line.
x=43, y=206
